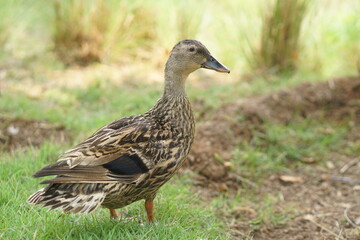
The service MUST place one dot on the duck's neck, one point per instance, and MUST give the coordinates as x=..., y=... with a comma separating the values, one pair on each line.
x=174, y=83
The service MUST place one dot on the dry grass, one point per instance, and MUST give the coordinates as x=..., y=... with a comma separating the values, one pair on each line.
x=87, y=32
x=79, y=30
x=4, y=35
x=279, y=42
x=4, y=31
x=187, y=24
x=131, y=30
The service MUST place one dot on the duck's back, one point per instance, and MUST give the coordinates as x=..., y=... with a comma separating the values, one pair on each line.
x=172, y=130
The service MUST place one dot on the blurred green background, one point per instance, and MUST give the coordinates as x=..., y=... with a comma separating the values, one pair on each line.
x=322, y=36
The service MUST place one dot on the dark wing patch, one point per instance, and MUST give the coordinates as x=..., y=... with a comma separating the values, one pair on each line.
x=120, y=123
x=82, y=174
x=126, y=165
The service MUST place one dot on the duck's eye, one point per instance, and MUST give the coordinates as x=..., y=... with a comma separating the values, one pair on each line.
x=191, y=49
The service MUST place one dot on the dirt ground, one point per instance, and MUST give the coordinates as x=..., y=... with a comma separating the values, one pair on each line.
x=319, y=195
x=321, y=200
x=16, y=133
x=336, y=99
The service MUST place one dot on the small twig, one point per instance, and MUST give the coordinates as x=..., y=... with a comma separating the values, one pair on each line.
x=244, y=180
x=339, y=235
x=331, y=84
x=311, y=219
x=238, y=232
x=349, y=165
x=347, y=217
x=345, y=179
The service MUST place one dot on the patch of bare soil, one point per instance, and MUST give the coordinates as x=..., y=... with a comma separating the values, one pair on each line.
x=16, y=133
x=319, y=195
x=336, y=99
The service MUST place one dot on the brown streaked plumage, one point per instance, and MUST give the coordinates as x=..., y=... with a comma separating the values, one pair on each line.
x=131, y=158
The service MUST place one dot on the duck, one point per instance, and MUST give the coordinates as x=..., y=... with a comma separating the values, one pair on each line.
x=129, y=159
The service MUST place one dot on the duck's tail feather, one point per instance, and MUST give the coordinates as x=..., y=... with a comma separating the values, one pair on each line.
x=67, y=200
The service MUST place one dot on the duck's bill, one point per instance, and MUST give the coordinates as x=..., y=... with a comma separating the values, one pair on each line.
x=214, y=64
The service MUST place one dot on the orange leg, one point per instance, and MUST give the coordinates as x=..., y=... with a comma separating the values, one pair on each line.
x=114, y=214
x=149, y=206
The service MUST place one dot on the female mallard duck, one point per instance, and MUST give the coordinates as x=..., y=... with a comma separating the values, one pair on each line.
x=131, y=158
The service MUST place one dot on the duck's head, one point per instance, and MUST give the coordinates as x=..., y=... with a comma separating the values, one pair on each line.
x=190, y=55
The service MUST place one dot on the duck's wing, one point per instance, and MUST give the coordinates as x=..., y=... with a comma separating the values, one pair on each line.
x=113, y=153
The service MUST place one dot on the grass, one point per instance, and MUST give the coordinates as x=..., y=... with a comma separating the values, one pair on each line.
x=142, y=29
x=84, y=109
x=280, y=147
x=255, y=209
x=86, y=33
x=270, y=214
x=79, y=31
x=179, y=211
x=280, y=37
